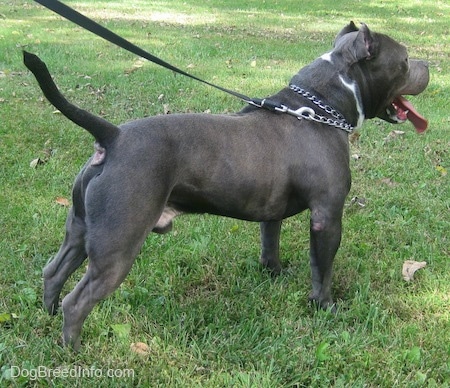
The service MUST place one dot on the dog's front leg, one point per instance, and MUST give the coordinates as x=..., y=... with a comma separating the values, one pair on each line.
x=325, y=238
x=270, y=246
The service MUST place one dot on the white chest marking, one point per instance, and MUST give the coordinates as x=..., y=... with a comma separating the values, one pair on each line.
x=352, y=87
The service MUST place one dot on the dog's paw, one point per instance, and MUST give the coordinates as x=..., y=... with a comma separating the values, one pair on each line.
x=273, y=266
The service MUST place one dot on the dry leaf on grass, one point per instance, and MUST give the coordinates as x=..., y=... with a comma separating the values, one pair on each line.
x=442, y=170
x=361, y=201
x=388, y=182
x=140, y=348
x=35, y=162
x=393, y=135
x=47, y=154
x=136, y=66
x=354, y=137
x=410, y=267
x=62, y=201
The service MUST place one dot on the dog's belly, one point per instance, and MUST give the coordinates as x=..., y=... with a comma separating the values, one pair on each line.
x=251, y=202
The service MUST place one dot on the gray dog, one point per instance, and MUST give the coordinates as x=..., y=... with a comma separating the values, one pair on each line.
x=256, y=165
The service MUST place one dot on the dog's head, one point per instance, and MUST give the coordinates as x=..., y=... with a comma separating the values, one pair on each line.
x=384, y=73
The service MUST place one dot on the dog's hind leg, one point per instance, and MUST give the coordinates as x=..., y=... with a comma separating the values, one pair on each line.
x=117, y=224
x=109, y=263
x=69, y=257
x=72, y=252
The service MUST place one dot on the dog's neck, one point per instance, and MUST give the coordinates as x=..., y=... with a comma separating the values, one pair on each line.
x=321, y=78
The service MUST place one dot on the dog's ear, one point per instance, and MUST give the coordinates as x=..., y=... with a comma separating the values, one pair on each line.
x=356, y=44
x=364, y=45
x=367, y=43
x=351, y=27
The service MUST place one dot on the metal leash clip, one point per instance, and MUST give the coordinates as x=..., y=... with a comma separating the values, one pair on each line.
x=303, y=113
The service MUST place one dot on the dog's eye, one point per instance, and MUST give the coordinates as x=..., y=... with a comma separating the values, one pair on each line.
x=405, y=65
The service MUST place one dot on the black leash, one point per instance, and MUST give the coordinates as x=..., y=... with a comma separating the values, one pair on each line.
x=88, y=24
x=301, y=113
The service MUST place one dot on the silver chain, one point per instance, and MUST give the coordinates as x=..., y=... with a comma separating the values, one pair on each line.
x=310, y=114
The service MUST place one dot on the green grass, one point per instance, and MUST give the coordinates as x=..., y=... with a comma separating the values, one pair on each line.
x=197, y=297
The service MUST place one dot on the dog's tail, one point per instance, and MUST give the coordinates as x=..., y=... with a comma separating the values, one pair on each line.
x=102, y=130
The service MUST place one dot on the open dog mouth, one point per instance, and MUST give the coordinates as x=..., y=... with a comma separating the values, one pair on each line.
x=401, y=110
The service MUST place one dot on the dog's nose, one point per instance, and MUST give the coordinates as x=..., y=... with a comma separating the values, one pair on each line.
x=422, y=63
x=418, y=77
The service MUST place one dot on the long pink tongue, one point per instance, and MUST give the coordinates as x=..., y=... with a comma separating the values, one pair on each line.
x=419, y=122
